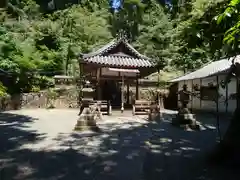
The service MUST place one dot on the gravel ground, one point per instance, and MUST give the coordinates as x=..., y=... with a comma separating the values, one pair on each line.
x=175, y=154
x=41, y=145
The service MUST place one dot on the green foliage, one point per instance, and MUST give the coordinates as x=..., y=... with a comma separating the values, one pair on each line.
x=197, y=37
x=128, y=19
x=35, y=89
x=155, y=35
x=229, y=19
x=3, y=90
x=35, y=46
x=39, y=39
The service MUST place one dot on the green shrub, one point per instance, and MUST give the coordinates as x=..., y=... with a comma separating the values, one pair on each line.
x=46, y=82
x=3, y=90
x=43, y=82
x=35, y=89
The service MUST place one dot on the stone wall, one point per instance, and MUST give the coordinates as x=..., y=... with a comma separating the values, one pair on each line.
x=66, y=98
x=38, y=100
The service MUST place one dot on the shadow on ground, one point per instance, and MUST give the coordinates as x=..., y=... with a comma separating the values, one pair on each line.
x=176, y=154
x=116, y=153
x=12, y=134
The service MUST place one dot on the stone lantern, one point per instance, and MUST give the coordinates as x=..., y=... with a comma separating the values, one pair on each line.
x=87, y=95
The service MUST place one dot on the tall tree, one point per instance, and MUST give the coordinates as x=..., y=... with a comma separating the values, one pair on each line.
x=230, y=145
x=127, y=18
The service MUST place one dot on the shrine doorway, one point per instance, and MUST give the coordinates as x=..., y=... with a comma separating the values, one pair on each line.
x=111, y=91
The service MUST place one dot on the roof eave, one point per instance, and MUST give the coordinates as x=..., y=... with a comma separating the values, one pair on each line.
x=110, y=46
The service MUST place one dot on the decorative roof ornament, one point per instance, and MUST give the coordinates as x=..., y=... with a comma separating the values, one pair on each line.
x=122, y=36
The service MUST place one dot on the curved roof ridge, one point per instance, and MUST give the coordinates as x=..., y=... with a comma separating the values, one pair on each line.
x=112, y=44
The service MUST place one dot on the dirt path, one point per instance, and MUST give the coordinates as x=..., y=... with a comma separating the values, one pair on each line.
x=41, y=144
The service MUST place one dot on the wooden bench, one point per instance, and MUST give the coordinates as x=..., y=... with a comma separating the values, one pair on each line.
x=143, y=107
x=104, y=106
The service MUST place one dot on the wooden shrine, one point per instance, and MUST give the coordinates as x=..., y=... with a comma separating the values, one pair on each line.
x=112, y=67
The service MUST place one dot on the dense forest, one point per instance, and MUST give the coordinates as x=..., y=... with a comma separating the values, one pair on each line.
x=42, y=38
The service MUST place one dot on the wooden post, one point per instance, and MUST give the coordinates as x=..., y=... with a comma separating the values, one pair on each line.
x=122, y=95
x=80, y=85
x=98, y=85
x=137, y=88
x=158, y=94
x=128, y=92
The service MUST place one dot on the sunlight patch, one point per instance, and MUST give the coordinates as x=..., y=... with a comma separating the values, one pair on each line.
x=109, y=163
x=210, y=126
x=165, y=140
x=189, y=149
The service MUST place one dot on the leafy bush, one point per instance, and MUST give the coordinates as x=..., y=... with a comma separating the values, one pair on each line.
x=43, y=82
x=35, y=89
x=46, y=82
x=3, y=90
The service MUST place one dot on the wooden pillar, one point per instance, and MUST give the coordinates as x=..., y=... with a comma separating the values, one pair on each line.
x=137, y=88
x=80, y=86
x=158, y=94
x=128, y=92
x=98, y=87
x=122, y=95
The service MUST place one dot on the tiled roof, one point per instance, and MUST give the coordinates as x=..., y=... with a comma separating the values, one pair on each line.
x=210, y=69
x=114, y=43
x=119, y=61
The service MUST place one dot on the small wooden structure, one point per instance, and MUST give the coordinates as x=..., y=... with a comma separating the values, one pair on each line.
x=141, y=107
x=63, y=80
x=112, y=67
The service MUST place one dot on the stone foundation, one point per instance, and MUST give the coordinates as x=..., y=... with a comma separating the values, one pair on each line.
x=186, y=120
x=88, y=119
